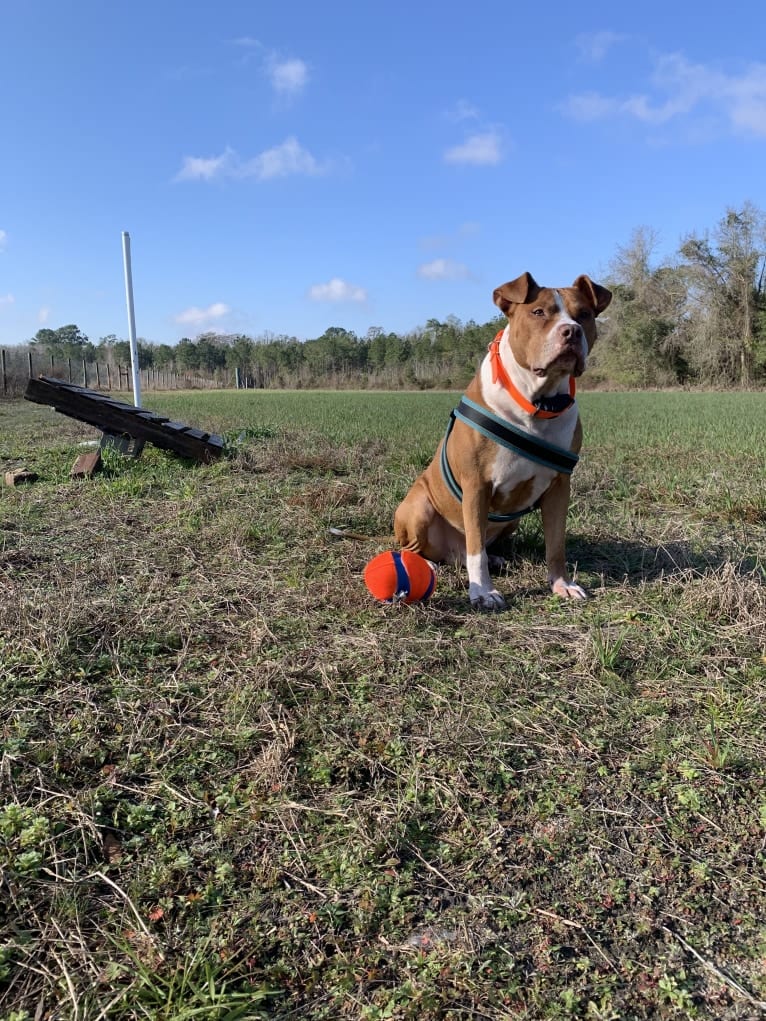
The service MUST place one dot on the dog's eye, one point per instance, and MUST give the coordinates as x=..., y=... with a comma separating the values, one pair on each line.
x=538, y=311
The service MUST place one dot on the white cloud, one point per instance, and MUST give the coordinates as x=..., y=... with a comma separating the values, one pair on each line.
x=681, y=88
x=6, y=299
x=289, y=158
x=337, y=290
x=482, y=149
x=443, y=269
x=205, y=168
x=594, y=46
x=201, y=316
x=283, y=160
x=589, y=106
x=288, y=77
x=43, y=315
x=3, y=239
x=748, y=114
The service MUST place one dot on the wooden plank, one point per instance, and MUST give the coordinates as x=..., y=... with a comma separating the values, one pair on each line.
x=151, y=417
x=86, y=465
x=116, y=417
x=19, y=476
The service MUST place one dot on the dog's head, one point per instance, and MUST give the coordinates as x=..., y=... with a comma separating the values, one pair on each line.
x=552, y=329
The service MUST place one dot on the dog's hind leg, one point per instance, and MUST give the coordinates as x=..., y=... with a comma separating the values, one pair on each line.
x=412, y=520
x=498, y=563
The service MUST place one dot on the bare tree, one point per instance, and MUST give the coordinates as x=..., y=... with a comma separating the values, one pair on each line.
x=726, y=292
x=643, y=343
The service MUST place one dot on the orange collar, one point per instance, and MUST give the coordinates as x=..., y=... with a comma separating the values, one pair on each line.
x=499, y=375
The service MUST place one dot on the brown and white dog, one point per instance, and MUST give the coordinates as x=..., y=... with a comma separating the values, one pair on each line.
x=525, y=386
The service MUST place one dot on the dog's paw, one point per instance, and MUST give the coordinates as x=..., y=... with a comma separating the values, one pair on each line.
x=485, y=599
x=567, y=589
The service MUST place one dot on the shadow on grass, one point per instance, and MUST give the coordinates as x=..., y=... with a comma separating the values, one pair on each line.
x=625, y=561
x=632, y=562
x=628, y=561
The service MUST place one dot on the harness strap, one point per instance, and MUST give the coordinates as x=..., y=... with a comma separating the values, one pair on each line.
x=506, y=435
x=457, y=492
x=515, y=439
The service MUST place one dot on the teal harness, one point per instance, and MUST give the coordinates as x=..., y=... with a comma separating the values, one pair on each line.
x=509, y=436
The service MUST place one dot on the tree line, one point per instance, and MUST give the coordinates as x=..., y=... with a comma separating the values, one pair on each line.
x=697, y=318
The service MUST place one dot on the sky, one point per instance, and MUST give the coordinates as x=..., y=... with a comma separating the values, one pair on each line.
x=284, y=167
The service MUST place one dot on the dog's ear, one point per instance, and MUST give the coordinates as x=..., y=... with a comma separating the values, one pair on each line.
x=596, y=295
x=516, y=292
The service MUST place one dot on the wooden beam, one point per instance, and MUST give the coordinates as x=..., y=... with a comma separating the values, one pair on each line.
x=112, y=416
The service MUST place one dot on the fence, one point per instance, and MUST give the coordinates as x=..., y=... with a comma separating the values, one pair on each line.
x=19, y=365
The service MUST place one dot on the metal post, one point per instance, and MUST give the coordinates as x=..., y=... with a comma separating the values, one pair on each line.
x=5, y=377
x=131, y=319
x=29, y=356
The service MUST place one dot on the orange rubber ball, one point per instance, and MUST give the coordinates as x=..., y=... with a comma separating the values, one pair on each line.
x=400, y=577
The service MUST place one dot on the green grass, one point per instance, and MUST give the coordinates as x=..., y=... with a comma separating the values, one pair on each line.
x=233, y=786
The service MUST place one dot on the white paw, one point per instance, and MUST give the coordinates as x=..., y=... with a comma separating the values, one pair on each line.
x=485, y=599
x=567, y=589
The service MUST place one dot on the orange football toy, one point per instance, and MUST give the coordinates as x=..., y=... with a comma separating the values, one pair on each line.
x=405, y=577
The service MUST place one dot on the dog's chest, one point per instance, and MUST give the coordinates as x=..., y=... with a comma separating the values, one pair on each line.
x=510, y=471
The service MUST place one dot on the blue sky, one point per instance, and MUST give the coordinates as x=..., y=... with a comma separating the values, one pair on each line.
x=285, y=167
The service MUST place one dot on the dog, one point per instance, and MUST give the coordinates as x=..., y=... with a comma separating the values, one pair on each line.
x=513, y=440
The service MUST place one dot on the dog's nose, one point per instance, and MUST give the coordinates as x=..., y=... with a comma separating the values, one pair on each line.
x=570, y=333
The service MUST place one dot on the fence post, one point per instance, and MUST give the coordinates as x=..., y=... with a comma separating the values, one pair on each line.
x=5, y=377
x=84, y=373
x=69, y=367
x=53, y=372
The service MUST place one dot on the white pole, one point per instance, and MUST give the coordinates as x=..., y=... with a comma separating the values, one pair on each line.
x=131, y=320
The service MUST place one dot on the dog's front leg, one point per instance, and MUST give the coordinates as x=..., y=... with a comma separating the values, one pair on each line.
x=554, y=505
x=481, y=591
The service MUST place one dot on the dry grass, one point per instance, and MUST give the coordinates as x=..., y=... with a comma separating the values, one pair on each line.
x=233, y=786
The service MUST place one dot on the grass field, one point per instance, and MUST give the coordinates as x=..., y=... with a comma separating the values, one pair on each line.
x=233, y=786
